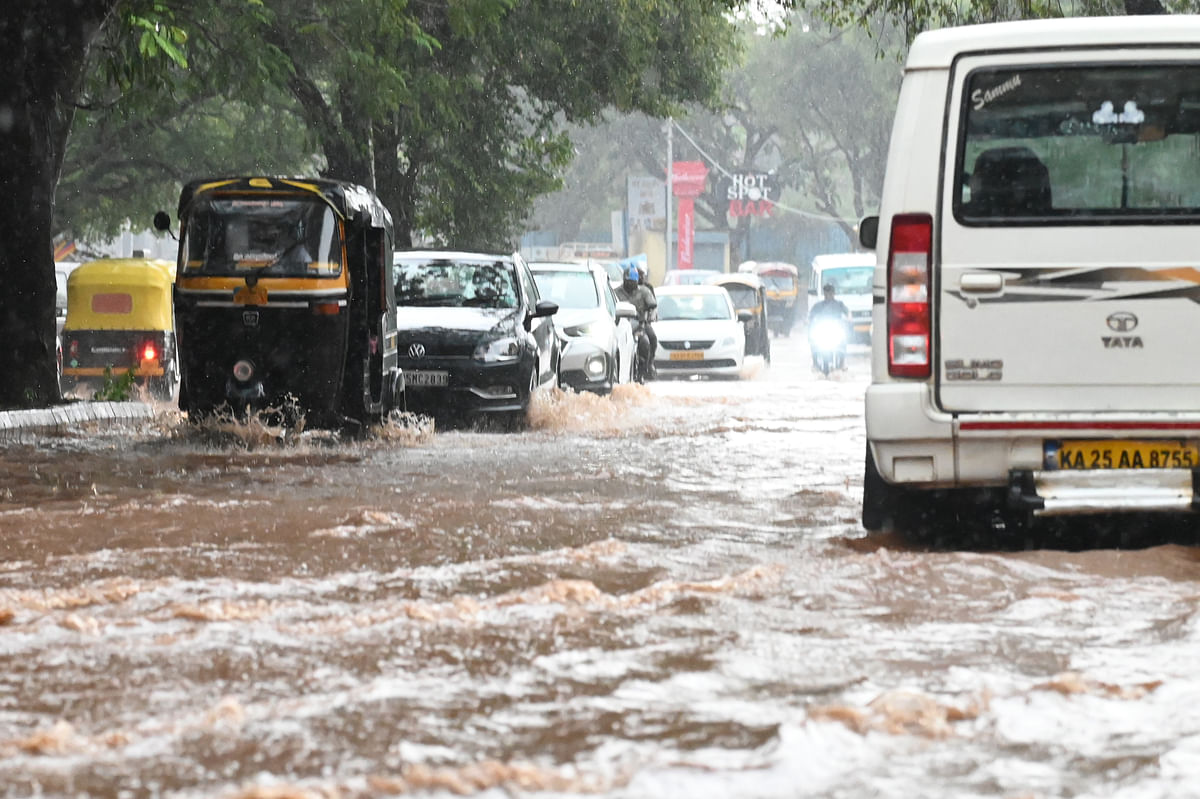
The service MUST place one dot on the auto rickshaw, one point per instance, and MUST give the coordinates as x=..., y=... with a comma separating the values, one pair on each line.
x=119, y=318
x=285, y=301
x=749, y=294
x=783, y=292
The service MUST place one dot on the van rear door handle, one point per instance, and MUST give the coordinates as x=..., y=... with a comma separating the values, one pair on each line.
x=981, y=281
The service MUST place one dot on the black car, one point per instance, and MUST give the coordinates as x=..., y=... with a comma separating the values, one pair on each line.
x=474, y=336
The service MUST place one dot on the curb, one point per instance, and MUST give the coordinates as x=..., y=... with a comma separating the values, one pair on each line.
x=59, y=417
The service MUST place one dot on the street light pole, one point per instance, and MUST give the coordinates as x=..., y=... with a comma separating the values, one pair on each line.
x=670, y=188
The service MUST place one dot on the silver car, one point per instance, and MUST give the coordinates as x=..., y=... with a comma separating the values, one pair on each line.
x=594, y=327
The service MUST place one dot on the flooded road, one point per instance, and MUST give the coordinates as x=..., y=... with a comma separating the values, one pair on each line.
x=665, y=593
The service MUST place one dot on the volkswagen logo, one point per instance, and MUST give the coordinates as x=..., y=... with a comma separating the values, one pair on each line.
x=416, y=350
x=1121, y=322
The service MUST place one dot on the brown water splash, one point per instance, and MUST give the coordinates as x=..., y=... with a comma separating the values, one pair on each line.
x=1072, y=682
x=477, y=777
x=106, y=592
x=903, y=713
x=222, y=610
x=404, y=428
x=568, y=593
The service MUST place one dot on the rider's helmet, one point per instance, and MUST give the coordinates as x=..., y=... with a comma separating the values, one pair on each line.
x=629, y=281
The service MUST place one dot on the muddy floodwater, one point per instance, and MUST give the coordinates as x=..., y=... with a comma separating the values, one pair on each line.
x=665, y=593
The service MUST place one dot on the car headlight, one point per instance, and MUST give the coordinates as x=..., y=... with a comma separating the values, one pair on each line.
x=501, y=349
x=729, y=341
x=588, y=329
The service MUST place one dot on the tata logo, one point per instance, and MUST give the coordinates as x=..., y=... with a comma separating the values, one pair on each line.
x=1121, y=322
x=416, y=350
x=1122, y=342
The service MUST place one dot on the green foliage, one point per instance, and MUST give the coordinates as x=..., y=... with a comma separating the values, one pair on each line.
x=454, y=109
x=115, y=388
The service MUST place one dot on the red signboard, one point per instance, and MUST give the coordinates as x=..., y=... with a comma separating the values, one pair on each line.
x=688, y=177
x=687, y=183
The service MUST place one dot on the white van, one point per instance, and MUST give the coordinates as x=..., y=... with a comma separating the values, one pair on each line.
x=850, y=273
x=1038, y=278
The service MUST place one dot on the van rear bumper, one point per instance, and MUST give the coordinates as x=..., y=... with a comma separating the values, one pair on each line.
x=1113, y=490
x=916, y=446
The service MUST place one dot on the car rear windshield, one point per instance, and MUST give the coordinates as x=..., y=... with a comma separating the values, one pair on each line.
x=693, y=306
x=455, y=283
x=568, y=289
x=271, y=236
x=848, y=279
x=1099, y=143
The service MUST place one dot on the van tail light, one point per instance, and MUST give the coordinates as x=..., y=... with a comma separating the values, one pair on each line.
x=909, y=319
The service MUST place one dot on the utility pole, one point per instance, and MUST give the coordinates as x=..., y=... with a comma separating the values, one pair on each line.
x=670, y=190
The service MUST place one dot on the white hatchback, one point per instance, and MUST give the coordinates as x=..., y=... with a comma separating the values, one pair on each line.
x=699, y=332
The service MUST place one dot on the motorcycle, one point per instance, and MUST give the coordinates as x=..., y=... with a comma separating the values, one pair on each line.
x=643, y=355
x=827, y=339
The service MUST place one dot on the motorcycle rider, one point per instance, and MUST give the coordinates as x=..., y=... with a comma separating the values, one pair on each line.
x=829, y=308
x=634, y=290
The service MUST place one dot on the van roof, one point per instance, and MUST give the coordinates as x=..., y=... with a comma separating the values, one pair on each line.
x=829, y=260
x=937, y=49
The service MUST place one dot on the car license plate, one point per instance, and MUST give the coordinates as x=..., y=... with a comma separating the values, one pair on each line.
x=418, y=377
x=687, y=355
x=1103, y=454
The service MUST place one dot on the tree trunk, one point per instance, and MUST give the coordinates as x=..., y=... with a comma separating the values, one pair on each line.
x=396, y=181
x=45, y=48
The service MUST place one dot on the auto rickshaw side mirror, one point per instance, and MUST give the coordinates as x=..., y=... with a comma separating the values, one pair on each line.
x=162, y=221
x=745, y=315
x=868, y=231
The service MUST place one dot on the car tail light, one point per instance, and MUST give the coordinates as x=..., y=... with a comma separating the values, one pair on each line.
x=909, y=314
x=73, y=348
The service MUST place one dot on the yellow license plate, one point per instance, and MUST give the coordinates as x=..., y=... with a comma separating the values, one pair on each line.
x=687, y=355
x=1122, y=454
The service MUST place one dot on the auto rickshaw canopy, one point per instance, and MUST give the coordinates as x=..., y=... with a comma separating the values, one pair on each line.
x=120, y=294
x=744, y=285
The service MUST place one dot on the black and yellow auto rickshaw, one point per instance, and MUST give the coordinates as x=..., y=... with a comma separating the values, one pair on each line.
x=749, y=294
x=285, y=300
x=119, y=319
x=784, y=296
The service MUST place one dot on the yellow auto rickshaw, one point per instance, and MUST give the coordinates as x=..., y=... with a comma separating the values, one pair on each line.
x=120, y=318
x=749, y=294
x=783, y=292
x=286, y=300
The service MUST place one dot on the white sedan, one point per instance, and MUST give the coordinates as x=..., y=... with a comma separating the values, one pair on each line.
x=699, y=332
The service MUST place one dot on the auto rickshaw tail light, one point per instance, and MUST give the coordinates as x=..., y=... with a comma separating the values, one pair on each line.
x=149, y=351
x=909, y=315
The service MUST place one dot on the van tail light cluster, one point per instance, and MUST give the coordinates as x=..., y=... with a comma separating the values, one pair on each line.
x=909, y=320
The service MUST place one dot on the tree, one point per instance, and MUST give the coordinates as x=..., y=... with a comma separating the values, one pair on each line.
x=453, y=109
x=45, y=47
x=813, y=106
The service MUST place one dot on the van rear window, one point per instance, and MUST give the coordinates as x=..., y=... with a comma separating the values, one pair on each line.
x=1100, y=143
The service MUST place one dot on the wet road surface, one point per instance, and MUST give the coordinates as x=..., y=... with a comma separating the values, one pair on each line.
x=664, y=593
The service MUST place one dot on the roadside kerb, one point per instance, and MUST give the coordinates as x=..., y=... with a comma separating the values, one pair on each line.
x=41, y=420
